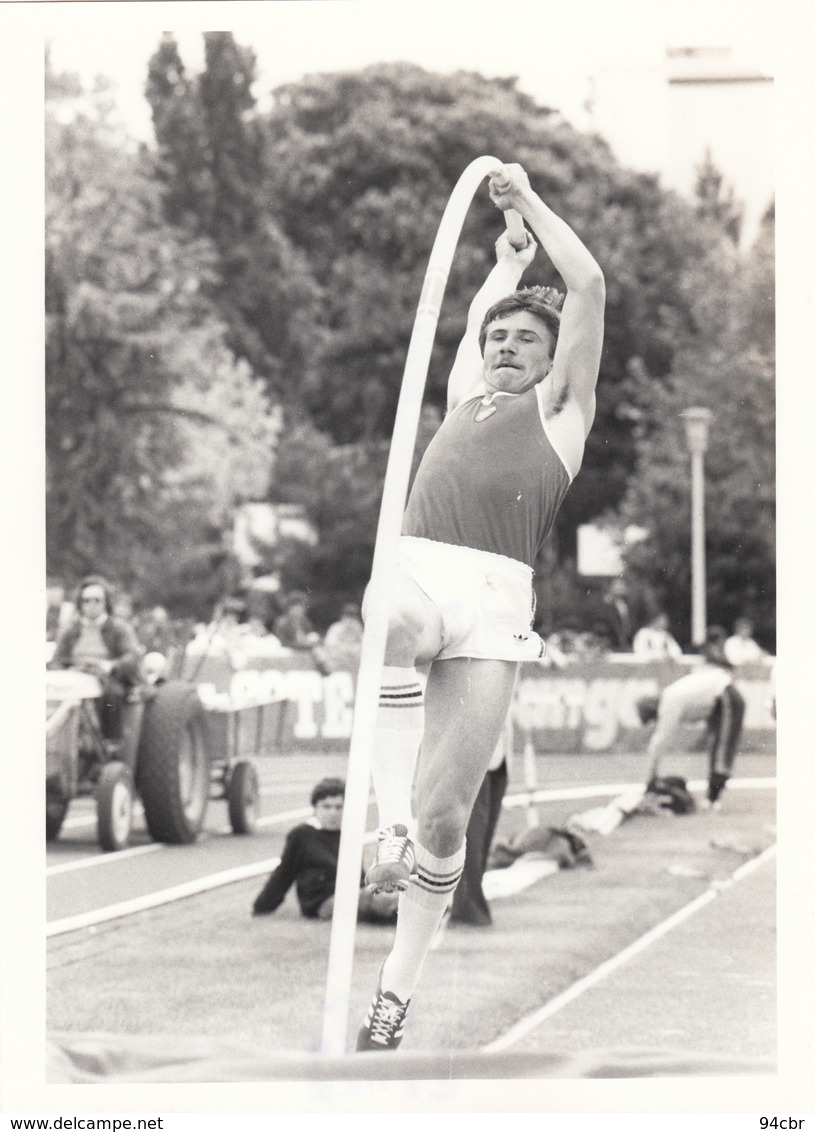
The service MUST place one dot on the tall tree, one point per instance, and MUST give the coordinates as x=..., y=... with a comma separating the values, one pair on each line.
x=181, y=165
x=212, y=161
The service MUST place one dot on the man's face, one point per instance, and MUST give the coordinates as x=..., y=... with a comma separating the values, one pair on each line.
x=92, y=601
x=328, y=811
x=517, y=353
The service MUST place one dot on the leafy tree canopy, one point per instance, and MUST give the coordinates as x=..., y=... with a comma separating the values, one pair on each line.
x=726, y=365
x=213, y=165
x=138, y=377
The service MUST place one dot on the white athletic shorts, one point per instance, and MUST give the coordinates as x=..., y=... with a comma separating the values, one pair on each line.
x=485, y=600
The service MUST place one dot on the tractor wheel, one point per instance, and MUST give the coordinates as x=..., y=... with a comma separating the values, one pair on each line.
x=173, y=770
x=114, y=806
x=243, y=796
x=55, y=810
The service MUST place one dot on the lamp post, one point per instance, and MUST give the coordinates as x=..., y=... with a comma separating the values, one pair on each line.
x=697, y=421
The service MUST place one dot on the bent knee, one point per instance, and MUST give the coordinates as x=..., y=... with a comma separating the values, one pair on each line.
x=443, y=827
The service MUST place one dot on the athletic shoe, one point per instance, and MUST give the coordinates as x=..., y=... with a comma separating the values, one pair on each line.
x=393, y=863
x=384, y=1022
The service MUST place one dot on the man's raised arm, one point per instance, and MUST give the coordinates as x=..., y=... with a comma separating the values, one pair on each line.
x=580, y=339
x=468, y=368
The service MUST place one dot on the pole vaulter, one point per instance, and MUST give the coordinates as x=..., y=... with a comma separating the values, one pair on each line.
x=397, y=477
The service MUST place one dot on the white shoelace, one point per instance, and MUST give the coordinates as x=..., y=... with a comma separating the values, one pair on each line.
x=387, y=1017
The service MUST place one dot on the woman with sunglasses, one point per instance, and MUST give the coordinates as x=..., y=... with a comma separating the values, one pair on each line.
x=96, y=641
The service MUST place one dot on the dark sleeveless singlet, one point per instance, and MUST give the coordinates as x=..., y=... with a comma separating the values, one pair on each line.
x=493, y=485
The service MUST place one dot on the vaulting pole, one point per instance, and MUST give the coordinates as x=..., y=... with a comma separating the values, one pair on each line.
x=397, y=476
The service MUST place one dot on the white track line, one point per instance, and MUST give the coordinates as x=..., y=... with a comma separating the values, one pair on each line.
x=139, y=850
x=155, y=899
x=102, y=859
x=532, y=1021
x=568, y=793
x=166, y=895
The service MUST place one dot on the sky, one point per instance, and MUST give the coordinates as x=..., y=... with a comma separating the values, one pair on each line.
x=552, y=49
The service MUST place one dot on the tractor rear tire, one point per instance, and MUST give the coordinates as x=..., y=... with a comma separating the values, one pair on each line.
x=173, y=771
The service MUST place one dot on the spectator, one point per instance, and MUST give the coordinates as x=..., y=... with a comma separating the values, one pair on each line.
x=557, y=653
x=615, y=614
x=309, y=862
x=740, y=648
x=265, y=597
x=256, y=640
x=654, y=641
x=255, y=626
x=229, y=616
x=58, y=611
x=223, y=633
x=98, y=642
x=596, y=643
x=562, y=647
x=293, y=628
x=155, y=630
x=123, y=607
x=295, y=631
x=343, y=640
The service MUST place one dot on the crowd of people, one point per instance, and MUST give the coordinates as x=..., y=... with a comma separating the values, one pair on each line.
x=251, y=625
x=241, y=634
x=613, y=628
x=241, y=627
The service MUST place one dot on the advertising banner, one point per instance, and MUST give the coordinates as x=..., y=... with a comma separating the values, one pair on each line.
x=277, y=703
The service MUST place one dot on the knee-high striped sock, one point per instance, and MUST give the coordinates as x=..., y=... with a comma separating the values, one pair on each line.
x=421, y=908
x=398, y=735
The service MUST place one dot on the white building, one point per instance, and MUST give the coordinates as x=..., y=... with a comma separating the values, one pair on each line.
x=664, y=119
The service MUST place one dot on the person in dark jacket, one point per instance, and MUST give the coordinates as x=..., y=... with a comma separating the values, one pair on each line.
x=614, y=615
x=96, y=641
x=309, y=862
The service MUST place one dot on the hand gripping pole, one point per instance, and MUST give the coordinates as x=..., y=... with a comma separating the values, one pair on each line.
x=397, y=476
